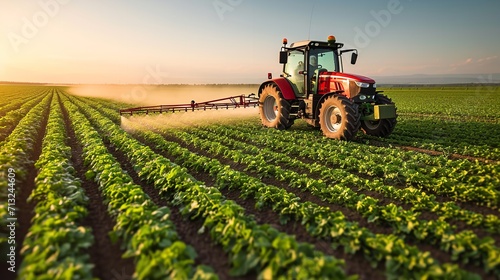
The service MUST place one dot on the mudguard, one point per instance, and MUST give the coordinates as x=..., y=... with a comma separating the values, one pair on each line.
x=284, y=86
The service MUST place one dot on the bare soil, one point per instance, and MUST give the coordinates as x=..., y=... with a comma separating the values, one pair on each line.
x=104, y=254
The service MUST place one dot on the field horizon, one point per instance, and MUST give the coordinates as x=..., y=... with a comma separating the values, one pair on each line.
x=388, y=80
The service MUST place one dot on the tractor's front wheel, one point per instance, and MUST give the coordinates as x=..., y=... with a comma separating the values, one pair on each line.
x=274, y=109
x=339, y=117
x=379, y=128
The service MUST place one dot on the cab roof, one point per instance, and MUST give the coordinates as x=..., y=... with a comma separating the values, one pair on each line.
x=303, y=44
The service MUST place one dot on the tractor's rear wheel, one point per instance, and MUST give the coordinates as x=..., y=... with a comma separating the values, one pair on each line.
x=379, y=128
x=339, y=118
x=274, y=109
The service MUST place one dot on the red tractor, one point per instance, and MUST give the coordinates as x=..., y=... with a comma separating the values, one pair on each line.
x=314, y=87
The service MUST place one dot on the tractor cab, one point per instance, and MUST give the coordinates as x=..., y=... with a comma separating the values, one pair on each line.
x=304, y=62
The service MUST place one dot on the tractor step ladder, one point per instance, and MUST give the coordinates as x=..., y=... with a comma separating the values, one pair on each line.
x=294, y=110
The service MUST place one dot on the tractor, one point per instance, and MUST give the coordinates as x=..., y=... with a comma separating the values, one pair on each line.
x=313, y=87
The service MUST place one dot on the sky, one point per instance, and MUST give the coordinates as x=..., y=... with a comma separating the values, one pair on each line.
x=237, y=41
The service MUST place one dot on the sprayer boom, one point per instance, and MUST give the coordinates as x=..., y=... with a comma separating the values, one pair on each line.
x=237, y=101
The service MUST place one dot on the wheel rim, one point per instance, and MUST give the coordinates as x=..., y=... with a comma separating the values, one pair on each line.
x=372, y=124
x=333, y=119
x=270, y=108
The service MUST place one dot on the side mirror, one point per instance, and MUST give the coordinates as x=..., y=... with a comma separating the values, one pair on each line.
x=283, y=57
x=354, y=58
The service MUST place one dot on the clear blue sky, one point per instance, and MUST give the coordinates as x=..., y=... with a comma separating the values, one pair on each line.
x=237, y=41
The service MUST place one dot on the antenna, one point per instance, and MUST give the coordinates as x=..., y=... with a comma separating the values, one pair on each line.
x=310, y=21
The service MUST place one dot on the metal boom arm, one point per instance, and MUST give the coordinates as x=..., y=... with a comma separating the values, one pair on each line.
x=236, y=101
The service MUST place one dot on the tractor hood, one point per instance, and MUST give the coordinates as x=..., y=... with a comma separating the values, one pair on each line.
x=349, y=84
x=354, y=77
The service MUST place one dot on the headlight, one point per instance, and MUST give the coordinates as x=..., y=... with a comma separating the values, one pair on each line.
x=374, y=85
x=362, y=85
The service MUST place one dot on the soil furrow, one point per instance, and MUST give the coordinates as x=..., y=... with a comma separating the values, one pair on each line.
x=104, y=254
x=355, y=264
x=186, y=229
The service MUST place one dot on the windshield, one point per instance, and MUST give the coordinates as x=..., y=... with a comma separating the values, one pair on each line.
x=323, y=59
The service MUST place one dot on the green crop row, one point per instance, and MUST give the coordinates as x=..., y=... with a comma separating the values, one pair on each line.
x=400, y=259
x=145, y=229
x=108, y=109
x=12, y=97
x=477, y=139
x=18, y=146
x=465, y=246
x=12, y=118
x=460, y=179
x=323, y=164
x=468, y=101
x=460, y=120
x=15, y=156
x=55, y=246
x=14, y=108
x=251, y=247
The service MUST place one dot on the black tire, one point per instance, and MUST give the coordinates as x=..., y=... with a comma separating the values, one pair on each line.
x=379, y=128
x=339, y=117
x=274, y=110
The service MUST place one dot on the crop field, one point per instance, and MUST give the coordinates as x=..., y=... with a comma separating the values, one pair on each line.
x=86, y=193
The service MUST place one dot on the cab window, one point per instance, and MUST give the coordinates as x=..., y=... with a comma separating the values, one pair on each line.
x=294, y=70
x=326, y=60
